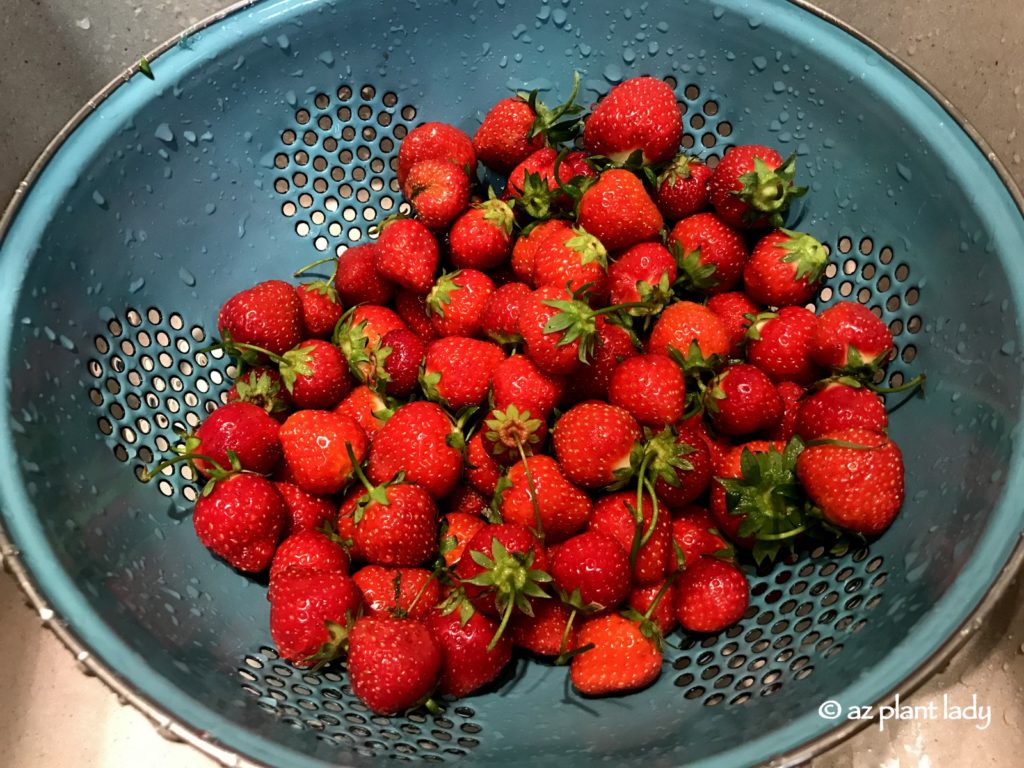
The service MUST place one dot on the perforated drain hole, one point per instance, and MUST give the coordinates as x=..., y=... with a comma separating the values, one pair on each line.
x=865, y=271
x=705, y=131
x=336, y=166
x=800, y=615
x=150, y=383
x=324, y=703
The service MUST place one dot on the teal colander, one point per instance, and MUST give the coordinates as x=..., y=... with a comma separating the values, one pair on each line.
x=266, y=139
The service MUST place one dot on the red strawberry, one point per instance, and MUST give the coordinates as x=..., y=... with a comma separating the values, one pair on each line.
x=398, y=592
x=356, y=277
x=849, y=337
x=306, y=550
x=505, y=137
x=308, y=613
x=412, y=309
x=855, y=477
x=435, y=141
x=407, y=254
x=594, y=442
x=735, y=310
x=618, y=211
x=481, y=238
x=482, y=471
x=711, y=595
x=499, y=319
x=640, y=114
x=242, y=428
x=694, y=535
x=644, y=273
x=651, y=388
x=262, y=387
x=712, y=254
x=466, y=500
x=438, y=191
x=682, y=188
x=534, y=184
x=664, y=614
x=419, y=440
x=561, y=508
x=685, y=324
x=315, y=374
x=780, y=344
x=392, y=524
x=785, y=269
x=458, y=529
x=752, y=186
x=366, y=408
x=839, y=406
x=470, y=660
x=570, y=258
x=595, y=565
x=358, y=337
x=320, y=308
x=741, y=399
x=516, y=380
x=791, y=393
x=540, y=317
x=457, y=370
x=623, y=656
x=402, y=352
x=314, y=444
x=548, y=631
x=615, y=516
x=306, y=511
x=393, y=664
x=524, y=248
x=677, y=485
x=268, y=316
x=456, y=302
x=241, y=520
x=613, y=344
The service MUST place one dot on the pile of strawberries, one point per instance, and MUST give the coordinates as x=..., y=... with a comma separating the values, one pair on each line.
x=554, y=419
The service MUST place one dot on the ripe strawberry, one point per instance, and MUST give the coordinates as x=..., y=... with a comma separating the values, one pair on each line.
x=320, y=308
x=398, y=592
x=315, y=454
x=742, y=399
x=359, y=334
x=639, y=114
x=481, y=238
x=617, y=210
x=644, y=273
x=261, y=387
x=682, y=188
x=457, y=370
x=306, y=550
x=651, y=388
x=850, y=338
x=268, y=316
x=548, y=632
x=315, y=374
x=711, y=254
x=357, y=280
x=540, y=316
x=412, y=309
x=838, y=405
x=780, y=344
x=683, y=325
x=615, y=515
x=394, y=523
x=242, y=428
x=401, y=354
x=438, y=191
x=482, y=471
x=855, y=477
x=470, y=661
x=456, y=302
x=308, y=613
x=785, y=269
x=678, y=483
x=613, y=344
x=595, y=565
x=366, y=408
x=552, y=505
x=623, y=656
x=241, y=520
x=516, y=380
x=435, y=141
x=752, y=186
x=306, y=511
x=664, y=614
x=499, y=319
x=466, y=500
x=393, y=664
x=791, y=393
x=534, y=183
x=524, y=248
x=457, y=530
x=570, y=258
x=733, y=308
x=711, y=595
x=594, y=442
x=420, y=440
x=693, y=535
x=407, y=254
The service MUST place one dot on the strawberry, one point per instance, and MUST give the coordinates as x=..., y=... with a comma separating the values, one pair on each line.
x=481, y=237
x=624, y=655
x=780, y=344
x=524, y=248
x=711, y=595
x=855, y=477
x=358, y=336
x=366, y=408
x=617, y=210
x=420, y=440
x=401, y=352
x=315, y=454
x=549, y=342
x=638, y=115
x=791, y=394
x=261, y=387
x=240, y=519
x=457, y=530
x=711, y=254
x=412, y=309
x=649, y=536
x=456, y=302
x=516, y=380
x=499, y=318
x=482, y=471
x=592, y=570
x=838, y=405
x=689, y=328
x=594, y=442
x=785, y=269
x=742, y=399
x=571, y=258
x=407, y=254
x=534, y=184
x=612, y=345
x=681, y=461
x=735, y=310
x=651, y=388
x=315, y=373
x=306, y=550
x=308, y=612
x=752, y=186
x=543, y=500
x=268, y=315
x=438, y=191
x=357, y=280
x=435, y=141
x=694, y=535
x=643, y=274
x=393, y=664
x=306, y=511
x=320, y=308
x=394, y=523
x=397, y=592
x=457, y=370
x=663, y=614
x=548, y=632
x=849, y=338
x=470, y=660
x=466, y=500
x=682, y=188
x=241, y=428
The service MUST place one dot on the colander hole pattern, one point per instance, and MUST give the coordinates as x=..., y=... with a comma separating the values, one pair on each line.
x=153, y=377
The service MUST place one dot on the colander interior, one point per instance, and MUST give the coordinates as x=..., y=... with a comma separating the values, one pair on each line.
x=269, y=139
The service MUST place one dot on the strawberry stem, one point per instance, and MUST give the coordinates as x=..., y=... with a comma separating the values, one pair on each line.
x=914, y=383
x=316, y=263
x=149, y=474
x=533, y=490
x=506, y=614
x=657, y=598
x=420, y=593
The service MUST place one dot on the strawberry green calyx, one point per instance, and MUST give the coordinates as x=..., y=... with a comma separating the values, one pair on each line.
x=512, y=430
x=655, y=297
x=589, y=247
x=366, y=362
x=767, y=191
x=537, y=198
x=559, y=125
x=292, y=364
x=694, y=275
x=428, y=383
x=658, y=457
x=648, y=627
x=678, y=168
x=757, y=322
x=578, y=320
x=499, y=213
x=809, y=255
x=457, y=601
x=375, y=494
x=186, y=452
x=336, y=644
x=262, y=391
x=698, y=370
x=441, y=294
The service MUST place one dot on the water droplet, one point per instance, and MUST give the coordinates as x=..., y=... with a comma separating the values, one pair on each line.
x=136, y=285
x=326, y=57
x=190, y=136
x=283, y=42
x=99, y=199
x=67, y=343
x=904, y=172
x=544, y=13
x=754, y=22
x=629, y=55
x=717, y=12
x=612, y=73
x=760, y=63
x=778, y=86
x=84, y=23
x=187, y=277
x=164, y=133
x=210, y=208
